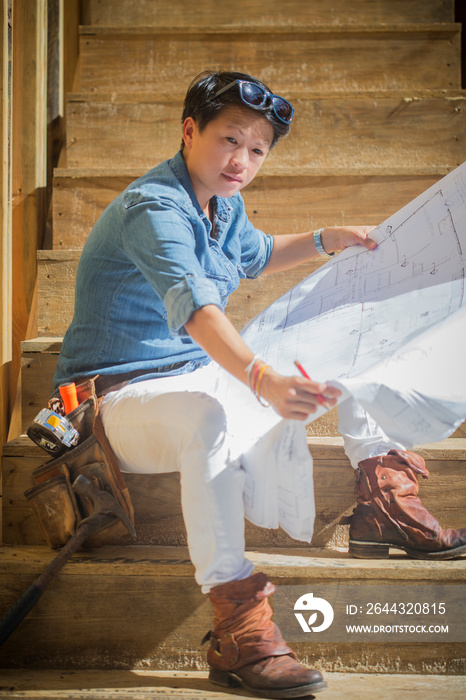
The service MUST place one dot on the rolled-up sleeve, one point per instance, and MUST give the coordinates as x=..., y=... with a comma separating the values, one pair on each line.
x=254, y=265
x=185, y=297
x=158, y=237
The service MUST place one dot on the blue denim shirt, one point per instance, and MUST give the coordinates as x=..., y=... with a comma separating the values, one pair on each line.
x=153, y=258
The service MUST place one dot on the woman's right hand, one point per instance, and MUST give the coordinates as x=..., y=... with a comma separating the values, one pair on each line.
x=295, y=397
x=291, y=397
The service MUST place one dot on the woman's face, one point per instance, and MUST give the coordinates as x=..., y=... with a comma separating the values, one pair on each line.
x=226, y=155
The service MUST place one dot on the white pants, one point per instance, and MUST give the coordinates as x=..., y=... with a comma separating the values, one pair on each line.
x=176, y=424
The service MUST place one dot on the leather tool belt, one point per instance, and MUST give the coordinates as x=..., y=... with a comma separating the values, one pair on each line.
x=57, y=507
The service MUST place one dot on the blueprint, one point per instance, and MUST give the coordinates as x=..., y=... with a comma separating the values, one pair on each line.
x=419, y=393
x=385, y=326
x=363, y=306
x=280, y=487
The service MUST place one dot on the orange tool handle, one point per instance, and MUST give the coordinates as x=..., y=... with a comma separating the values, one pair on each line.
x=69, y=396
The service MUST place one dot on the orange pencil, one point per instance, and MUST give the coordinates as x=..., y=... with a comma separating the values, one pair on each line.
x=319, y=397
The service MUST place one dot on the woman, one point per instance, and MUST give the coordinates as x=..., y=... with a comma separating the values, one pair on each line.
x=152, y=283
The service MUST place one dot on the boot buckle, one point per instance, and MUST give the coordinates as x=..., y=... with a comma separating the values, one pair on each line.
x=224, y=647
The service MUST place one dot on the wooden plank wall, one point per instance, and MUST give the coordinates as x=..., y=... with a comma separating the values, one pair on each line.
x=28, y=86
x=5, y=243
x=28, y=113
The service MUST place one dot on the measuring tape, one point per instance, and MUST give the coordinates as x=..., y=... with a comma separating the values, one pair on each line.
x=52, y=432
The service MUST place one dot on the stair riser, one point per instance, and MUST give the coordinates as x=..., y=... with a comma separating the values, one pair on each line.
x=150, y=622
x=356, y=132
x=133, y=13
x=57, y=272
x=275, y=204
x=331, y=61
x=38, y=369
x=55, y=283
x=157, y=506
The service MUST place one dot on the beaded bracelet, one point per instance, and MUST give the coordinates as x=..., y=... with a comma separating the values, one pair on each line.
x=252, y=366
x=257, y=387
x=255, y=370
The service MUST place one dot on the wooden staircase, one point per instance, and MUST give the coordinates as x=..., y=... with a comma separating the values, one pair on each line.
x=380, y=116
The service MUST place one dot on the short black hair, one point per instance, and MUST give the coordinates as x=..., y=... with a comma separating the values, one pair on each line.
x=203, y=106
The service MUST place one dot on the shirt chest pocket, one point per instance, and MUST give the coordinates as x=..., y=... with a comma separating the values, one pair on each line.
x=220, y=270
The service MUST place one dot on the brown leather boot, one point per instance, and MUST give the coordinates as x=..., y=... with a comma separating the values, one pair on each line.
x=248, y=649
x=390, y=514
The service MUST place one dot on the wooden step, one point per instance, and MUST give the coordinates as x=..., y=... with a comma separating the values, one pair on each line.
x=324, y=58
x=38, y=363
x=156, y=498
x=276, y=202
x=140, y=608
x=57, y=272
x=56, y=275
x=424, y=129
x=146, y=13
x=194, y=685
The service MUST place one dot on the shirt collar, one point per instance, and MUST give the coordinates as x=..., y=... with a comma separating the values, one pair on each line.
x=221, y=207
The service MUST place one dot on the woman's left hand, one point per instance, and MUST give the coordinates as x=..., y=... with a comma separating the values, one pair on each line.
x=341, y=237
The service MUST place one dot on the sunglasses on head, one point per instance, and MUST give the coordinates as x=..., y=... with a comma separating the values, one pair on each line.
x=256, y=96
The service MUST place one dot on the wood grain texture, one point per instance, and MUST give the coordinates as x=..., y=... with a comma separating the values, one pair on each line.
x=25, y=191
x=57, y=272
x=156, y=498
x=330, y=59
x=38, y=368
x=282, y=563
x=37, y=371
x=288, y=203
x=141, y=609
x=194, y=685
x=355, y=131
x=146, y=13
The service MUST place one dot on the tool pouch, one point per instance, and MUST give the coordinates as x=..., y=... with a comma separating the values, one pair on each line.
x=58, y=509
x=54, y=504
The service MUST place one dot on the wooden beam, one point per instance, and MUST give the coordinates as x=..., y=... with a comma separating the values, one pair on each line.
x=140, y=608
x=6, y=250
x=25, y=176
x=69, y=12
x=241, y=12
x=29, y=162
x=194, y=685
